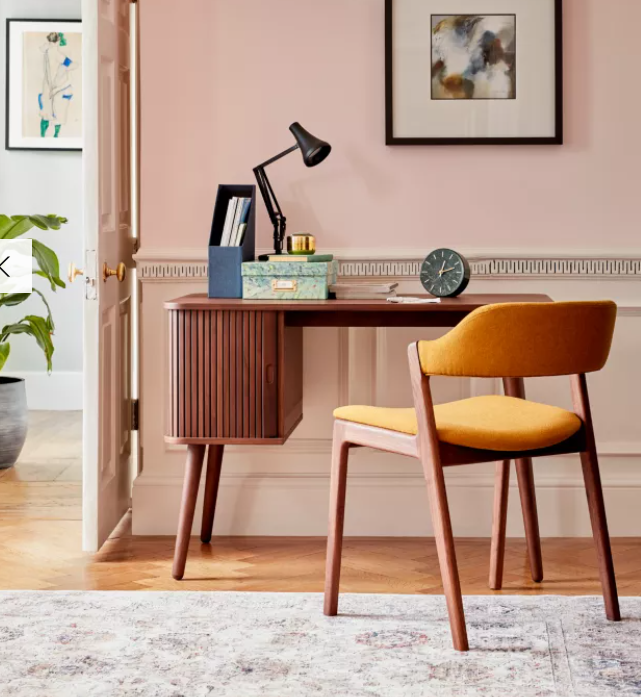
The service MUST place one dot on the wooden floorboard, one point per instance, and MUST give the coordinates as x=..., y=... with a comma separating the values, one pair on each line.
x=44, y=554
x=40, y=542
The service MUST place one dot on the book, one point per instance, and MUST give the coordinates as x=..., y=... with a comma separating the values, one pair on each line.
x=243, y=218
x=301, y=257
x=242, y=228
x=363, y=291
x=236, y=223
x=229, y=221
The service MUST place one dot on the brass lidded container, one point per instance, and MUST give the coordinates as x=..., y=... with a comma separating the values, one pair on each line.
x=301, y=243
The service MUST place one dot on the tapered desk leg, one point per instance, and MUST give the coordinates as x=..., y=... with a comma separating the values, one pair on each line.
x=193, y=469
x=514, y=388
x=214, y=467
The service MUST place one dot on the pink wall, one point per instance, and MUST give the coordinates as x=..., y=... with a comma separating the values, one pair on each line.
x=223, y=79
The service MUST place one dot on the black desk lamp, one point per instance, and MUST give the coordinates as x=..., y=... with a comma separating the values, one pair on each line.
x=314, y=152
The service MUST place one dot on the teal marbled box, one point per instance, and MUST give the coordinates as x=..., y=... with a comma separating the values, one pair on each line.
x=288, y=280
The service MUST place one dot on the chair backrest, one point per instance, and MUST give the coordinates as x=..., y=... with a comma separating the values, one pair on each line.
x=524, y=340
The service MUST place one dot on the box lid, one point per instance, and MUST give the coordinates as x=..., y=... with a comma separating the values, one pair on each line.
x=289, y=269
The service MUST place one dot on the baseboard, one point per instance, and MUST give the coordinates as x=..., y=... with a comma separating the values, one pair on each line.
x=60, y=391
x=383, y=505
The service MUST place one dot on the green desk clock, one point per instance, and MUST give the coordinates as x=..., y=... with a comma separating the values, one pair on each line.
x=445, y=273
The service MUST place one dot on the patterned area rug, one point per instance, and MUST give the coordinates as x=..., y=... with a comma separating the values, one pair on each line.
x=244, y=644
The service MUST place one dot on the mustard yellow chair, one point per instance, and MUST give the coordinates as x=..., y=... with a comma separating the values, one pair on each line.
x=510, y=341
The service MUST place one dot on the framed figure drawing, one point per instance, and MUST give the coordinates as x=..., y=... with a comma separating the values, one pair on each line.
x=44, y=85
x=474, y=72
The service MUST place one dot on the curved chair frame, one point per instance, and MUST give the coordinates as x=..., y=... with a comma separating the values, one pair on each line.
x=434, y=456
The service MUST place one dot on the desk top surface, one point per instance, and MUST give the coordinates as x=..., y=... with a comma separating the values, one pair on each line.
x=467, y=302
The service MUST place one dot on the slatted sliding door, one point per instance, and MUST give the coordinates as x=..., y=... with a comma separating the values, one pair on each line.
x=224, y=375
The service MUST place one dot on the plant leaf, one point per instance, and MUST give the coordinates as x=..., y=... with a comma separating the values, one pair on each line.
x=49, y=318
x=36, y=327
x=47, y=222
x=11, y=299
x=5, y=350
x=19, y=225
x=48, y=263
x=39, y=221
x=42, y=334
x=5, y=224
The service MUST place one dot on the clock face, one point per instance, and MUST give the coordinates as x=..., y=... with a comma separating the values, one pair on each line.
x=445, y=273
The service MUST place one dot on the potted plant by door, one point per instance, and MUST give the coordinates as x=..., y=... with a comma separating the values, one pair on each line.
x=13, y=399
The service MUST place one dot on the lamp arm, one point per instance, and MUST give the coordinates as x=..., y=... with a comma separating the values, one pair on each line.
x=274, y=211
x=273, y=196
x=277, y=157
x=266, y=192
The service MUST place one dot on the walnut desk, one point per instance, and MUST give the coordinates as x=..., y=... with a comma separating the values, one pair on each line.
x=236, y=377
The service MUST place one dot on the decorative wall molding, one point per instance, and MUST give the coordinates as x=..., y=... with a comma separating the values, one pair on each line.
x=191, y=264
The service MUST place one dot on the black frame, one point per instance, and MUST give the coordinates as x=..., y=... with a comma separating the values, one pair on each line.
x=8, y=85
x=556, y=139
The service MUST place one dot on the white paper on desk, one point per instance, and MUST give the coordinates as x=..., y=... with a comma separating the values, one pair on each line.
x=413, y=301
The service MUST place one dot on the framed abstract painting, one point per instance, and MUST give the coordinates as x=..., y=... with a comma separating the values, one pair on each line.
x=44, y=85
x=474, y=72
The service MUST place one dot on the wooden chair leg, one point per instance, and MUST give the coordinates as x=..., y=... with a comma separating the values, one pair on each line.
x=429, y=454
x=499, y=523
x=193, y=469
x=514, y=387
x=596, y=504
x=340, y=453
x=446, y=552
x=214, y=467
x=527, y=493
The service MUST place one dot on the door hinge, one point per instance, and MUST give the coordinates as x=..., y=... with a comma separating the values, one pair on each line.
x=135, y=414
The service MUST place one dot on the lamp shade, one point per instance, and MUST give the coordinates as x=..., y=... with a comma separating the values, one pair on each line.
x=314, y=150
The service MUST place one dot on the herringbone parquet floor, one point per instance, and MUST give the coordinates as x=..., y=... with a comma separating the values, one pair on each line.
x=40, y=536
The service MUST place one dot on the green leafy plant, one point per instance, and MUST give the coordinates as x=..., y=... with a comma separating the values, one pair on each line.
x=40, y=328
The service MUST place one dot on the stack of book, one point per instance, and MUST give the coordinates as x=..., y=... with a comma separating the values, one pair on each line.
x=235, y=222
x=318, y=258
x=363, y=291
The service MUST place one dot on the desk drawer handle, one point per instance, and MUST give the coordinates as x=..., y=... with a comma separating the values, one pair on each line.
x=269, y=374
x=280, y=285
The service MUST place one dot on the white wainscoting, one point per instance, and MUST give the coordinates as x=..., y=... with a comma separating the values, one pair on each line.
x=271, y=490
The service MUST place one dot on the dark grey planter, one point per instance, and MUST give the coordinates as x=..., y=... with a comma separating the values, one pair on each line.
x=13, y=420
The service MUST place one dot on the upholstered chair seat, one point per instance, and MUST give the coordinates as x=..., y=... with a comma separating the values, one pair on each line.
x=488, y=423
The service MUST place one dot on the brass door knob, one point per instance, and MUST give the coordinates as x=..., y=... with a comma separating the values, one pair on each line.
x=73, y=272
x=120, y=272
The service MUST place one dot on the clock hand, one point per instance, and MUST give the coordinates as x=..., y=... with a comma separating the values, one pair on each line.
x=450, y=269
x=440, y=273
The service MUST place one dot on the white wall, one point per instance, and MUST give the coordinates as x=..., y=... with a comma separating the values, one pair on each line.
x=45, y=182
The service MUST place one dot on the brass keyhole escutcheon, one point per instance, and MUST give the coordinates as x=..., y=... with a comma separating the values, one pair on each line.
x=73, y=272
x=120, y=272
